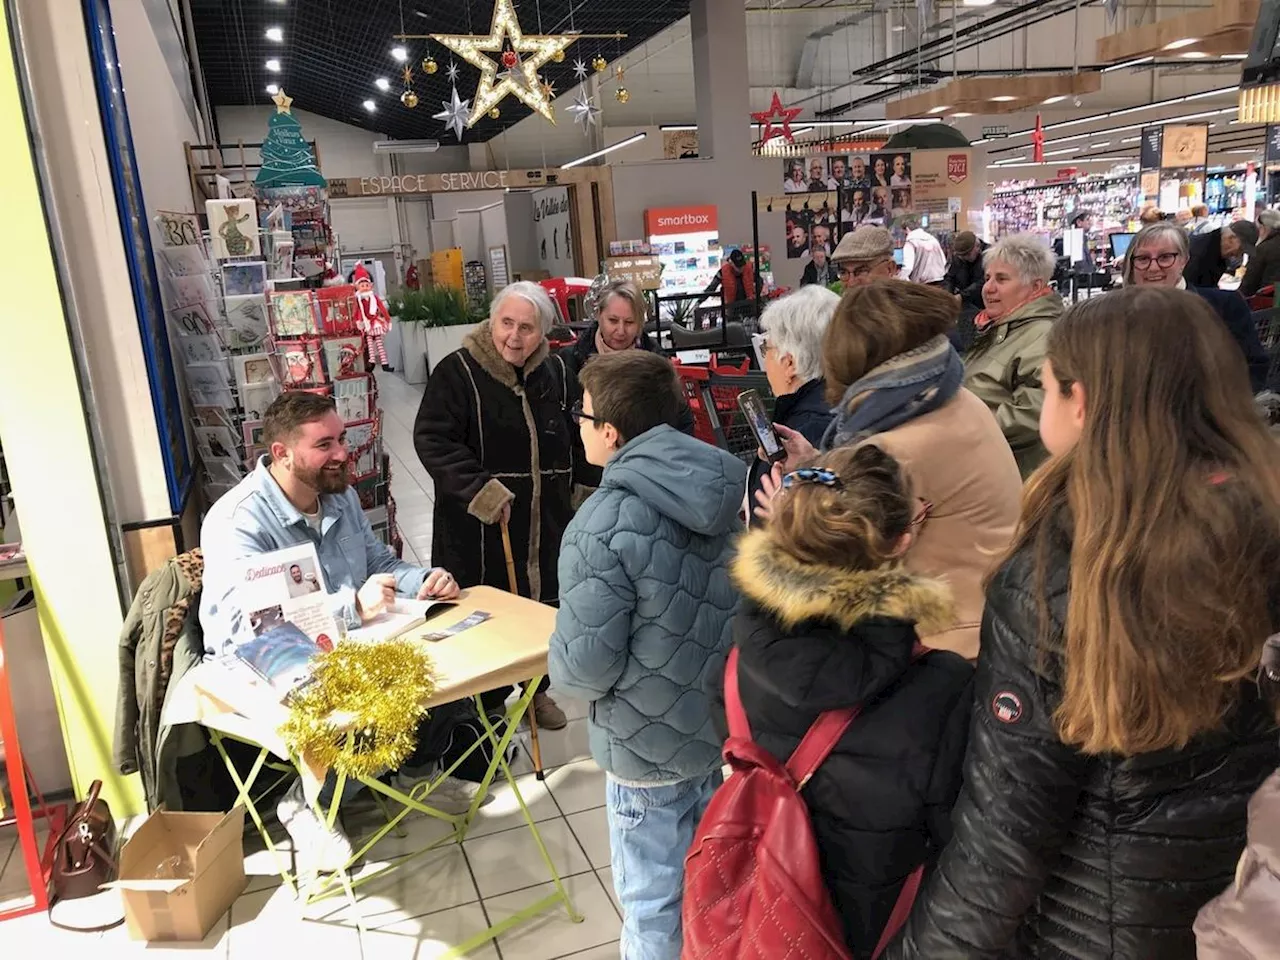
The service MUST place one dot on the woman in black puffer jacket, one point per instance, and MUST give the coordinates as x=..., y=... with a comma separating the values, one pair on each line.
x=1118, y=733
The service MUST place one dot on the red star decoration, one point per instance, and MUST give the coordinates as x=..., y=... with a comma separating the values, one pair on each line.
x=1037, y=142
x=776, y=111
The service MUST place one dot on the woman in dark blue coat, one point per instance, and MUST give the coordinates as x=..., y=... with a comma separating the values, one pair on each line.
x=793, y=327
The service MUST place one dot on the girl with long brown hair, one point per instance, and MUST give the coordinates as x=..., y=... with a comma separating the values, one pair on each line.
x=1118, y=734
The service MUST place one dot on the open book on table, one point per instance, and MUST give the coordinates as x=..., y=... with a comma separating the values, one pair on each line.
x=401, y=617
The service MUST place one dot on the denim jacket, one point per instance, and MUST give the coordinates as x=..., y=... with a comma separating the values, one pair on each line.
x=256, y=517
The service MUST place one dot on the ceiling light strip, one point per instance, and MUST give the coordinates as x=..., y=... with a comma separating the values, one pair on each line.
x=609, y=149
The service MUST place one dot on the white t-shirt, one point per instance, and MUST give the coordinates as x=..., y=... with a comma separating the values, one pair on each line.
x=922, y=258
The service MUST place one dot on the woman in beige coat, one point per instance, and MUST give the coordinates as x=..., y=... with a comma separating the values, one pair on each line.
x=896, y=381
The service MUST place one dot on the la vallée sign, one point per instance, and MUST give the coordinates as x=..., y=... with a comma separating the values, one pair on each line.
x=410, y=184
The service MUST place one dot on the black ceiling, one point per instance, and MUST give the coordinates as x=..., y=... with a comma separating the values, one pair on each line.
x=333, y=50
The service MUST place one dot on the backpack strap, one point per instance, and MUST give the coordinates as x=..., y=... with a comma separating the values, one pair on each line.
x=739, y=726
x=901, y=910
x=818, y=743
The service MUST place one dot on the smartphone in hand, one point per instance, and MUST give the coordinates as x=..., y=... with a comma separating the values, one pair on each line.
x=752, y=408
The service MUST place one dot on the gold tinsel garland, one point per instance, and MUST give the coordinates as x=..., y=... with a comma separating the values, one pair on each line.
x=360, y=714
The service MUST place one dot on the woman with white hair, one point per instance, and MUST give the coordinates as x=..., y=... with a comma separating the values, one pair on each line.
x=1002, y=367
x=1264, y=263
x=493, y=431
x=793, y=328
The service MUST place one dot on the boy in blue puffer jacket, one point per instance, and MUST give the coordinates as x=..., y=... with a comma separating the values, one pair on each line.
x=646, y=604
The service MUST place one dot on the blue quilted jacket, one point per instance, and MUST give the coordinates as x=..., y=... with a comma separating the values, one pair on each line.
x=646, y=604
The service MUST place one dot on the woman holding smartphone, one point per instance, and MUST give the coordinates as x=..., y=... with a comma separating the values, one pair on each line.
x=895, y=381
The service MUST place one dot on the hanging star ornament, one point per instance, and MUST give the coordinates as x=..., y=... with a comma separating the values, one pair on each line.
x=776, y=111
x=532, y=52
x=584, y=110
x=454, y=113
x=579, y=69
x=452, y=72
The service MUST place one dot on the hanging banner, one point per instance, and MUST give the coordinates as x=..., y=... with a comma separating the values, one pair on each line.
x=1185, y=145
x=940, y=180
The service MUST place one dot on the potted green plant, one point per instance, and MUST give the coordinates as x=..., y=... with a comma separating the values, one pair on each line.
x=434, y=321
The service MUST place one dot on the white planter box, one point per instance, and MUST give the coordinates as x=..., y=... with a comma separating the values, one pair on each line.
x=413, y=340
x=395, y=348
x=442, y=341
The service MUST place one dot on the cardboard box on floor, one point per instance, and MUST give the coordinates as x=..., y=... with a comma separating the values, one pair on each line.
x=180, y=872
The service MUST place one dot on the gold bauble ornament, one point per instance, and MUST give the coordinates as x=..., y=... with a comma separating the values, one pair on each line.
x=599, y=64
x=622, y=94
x=495, y=113
x=429, y=65
x=409, y=99
x=558, y=56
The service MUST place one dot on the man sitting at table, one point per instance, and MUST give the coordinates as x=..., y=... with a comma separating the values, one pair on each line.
x=299, y=494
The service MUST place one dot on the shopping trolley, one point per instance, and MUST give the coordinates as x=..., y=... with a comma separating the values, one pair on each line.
x=712, y=394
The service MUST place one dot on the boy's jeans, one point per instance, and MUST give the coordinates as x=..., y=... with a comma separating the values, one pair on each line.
x=650, y=830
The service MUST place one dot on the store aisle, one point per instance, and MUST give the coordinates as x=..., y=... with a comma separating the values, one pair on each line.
x=448, y=895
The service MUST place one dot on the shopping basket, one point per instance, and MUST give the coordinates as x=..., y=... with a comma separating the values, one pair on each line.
x=713, y=398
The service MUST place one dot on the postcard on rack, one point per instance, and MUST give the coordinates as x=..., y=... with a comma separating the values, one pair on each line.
x=243, y=279
x=213, y=416
x=252, y=430
x=362, y=445
x=209, y=384
x=233, y=228
x=195, y=318
x=223, y=469
x=247, y=320
x=202, y=348
x=178, y=229
x=218, y=442
x=293, y=314
x=337, y=310
x=255, y=398
x=299, y=362
x=353, y=398
x=195, y=289
x=252, y=369
x=185, y=261
x=281, y=256
x=342, y=356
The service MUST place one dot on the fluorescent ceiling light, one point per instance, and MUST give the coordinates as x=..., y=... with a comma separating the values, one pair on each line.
x=609, y=149
x=1131, y=140
x=1184, y=42
x=1059, y=153
x=273, y=66
x=1061, y=124
x=978, y=3
x=899, y=28
x=1099, y=146
x=1011, y=160
x=370, y=106
x=941, y=109
x=1052, y=100
x=1194, y=55
x=1003, y=99
x=1132, y=126
x=406, y=146
x=382, y=83
x=1127, y=64
x=1235, y=56
x=276, y=34
x=273, y=89
x=1254, y=150
x=957, y=116
x=400, y=53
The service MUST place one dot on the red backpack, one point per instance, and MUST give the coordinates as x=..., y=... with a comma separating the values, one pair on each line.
x=753, y=887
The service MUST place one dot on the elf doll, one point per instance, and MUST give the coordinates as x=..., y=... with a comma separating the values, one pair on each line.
x=373, y=320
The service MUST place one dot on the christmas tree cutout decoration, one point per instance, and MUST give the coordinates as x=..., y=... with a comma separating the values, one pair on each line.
x=287, y=159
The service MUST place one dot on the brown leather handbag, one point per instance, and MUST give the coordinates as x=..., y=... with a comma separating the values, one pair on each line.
x=83, y=860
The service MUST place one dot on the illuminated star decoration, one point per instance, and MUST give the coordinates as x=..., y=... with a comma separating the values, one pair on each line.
x=452, y=72
x=454, y=113
x=584, y=110
x=776, y=111
x=579, y=69
x=534, y=52
x=282, y=101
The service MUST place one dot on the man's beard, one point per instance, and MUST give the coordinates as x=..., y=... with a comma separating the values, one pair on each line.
x=322, y=479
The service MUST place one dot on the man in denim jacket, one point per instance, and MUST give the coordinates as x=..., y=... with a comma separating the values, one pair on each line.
x=299, y=494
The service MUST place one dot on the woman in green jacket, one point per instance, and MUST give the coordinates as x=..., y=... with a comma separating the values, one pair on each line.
x=1002, y=367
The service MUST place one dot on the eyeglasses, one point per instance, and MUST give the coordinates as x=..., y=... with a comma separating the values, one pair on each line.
x=578, y=415
x=1164, y=260
x=854, y=273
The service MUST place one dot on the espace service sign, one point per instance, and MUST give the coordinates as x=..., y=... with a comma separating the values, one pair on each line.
x=672, y=220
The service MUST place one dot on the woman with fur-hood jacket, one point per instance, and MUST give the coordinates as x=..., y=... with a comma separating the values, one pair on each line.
x=829, y=619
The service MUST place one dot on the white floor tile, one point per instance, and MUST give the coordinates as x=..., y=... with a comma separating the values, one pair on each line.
x=592, y=830
x=503, y=812
x=424, y=938
x=552, y=935
x=508, y=861
x=116, y=943
x=578, y=786
x=269, y=921
x=564, y=746
x=35, y=936
x=607, y=952
x=606, y=877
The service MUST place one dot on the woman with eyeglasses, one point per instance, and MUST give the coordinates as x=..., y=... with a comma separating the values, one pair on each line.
x=1158, y=256
x=894, y=380
x=1118, y=730
x=831, y=620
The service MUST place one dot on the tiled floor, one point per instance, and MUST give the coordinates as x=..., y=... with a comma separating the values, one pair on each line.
x=442, y=898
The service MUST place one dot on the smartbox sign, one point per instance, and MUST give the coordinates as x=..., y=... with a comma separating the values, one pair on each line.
x=676, y=220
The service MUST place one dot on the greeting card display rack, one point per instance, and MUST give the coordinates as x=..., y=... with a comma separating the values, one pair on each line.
x=243, y=337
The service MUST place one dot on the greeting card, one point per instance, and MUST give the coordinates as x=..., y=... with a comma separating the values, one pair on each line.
x=233, y=228
x=252, y=430
x=299, y=362
x=362, y=443
x=256, y=398
x=201, y=348
x=194, y=318
x=195, y=289
x=338, y=312
x=216, y=442
x=246, y=320
x=242, y=279
x=253, y=369
x=353, y=396
x=342, y=356
x=185, y=261
x=211, y=417
x=178, y=229
x=292, y=314
x=209, y=384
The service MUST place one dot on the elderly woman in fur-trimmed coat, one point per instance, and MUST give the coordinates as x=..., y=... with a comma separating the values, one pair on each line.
x=494, y=432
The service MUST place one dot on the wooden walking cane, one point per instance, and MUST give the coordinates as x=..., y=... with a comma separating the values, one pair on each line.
x=531, y=714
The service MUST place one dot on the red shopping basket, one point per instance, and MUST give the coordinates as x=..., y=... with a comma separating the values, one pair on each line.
x=713, y=398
